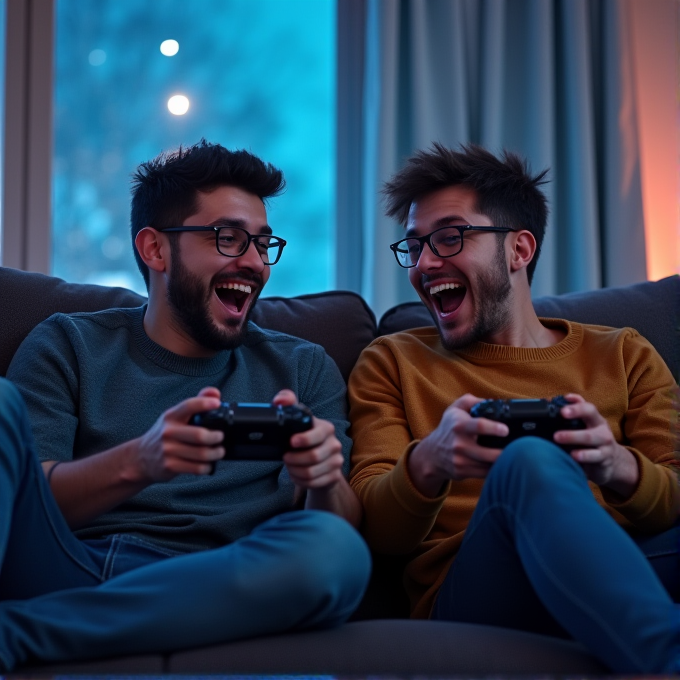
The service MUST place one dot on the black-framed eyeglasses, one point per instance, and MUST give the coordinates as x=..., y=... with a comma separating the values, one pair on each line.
x=443, y=242
x=235, y=241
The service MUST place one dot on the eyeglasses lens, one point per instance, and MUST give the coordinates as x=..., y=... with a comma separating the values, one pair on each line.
x=233, y=242
x=447, y=241
x=408, y=252
x=444, y=243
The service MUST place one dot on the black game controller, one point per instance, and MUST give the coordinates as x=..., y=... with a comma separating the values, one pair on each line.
x=525, y=417
x=255, y=431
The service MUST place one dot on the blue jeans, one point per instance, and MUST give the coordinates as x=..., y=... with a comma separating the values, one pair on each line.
x=540, y=554
x=64, y=599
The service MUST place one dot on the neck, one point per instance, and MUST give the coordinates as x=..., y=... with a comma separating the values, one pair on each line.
x=523, y=328
x=164, y=330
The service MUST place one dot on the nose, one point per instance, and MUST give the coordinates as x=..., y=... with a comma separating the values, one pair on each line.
x=251, y=259
x=428, y=260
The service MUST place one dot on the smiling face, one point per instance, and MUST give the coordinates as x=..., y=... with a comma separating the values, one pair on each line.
x=468, y=294
x=210, y=296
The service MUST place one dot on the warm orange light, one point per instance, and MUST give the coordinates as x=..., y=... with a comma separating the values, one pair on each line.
x=657, y=61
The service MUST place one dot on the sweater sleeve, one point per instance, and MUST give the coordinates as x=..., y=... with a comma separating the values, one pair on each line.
x=324, y=393
x=397, y=516
x=44, y=369
x=652, y=438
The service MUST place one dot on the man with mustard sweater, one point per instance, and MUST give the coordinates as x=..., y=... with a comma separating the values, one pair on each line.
x=527, y=536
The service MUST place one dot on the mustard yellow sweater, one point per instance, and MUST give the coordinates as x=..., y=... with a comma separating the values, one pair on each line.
x=402, y=384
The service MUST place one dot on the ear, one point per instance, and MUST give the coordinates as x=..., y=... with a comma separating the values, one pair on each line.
x=153, y=248
x=523, y=248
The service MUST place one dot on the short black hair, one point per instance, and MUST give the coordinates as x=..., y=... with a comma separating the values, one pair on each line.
x=165, y=189
x=506, y=190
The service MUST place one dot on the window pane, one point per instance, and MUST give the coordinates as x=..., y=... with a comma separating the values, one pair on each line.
x=258, y=75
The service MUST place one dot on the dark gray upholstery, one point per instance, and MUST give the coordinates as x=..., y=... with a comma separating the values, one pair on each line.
x=390, y=647
x=27, y=298
x=147, y=664
x=652, y=308
x=371, y=644
x=339, y=321
x=396, y=648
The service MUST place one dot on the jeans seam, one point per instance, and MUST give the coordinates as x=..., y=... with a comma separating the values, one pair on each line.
x=110, y=558
x=131, y=539
x=120, y=541
x=558, y=584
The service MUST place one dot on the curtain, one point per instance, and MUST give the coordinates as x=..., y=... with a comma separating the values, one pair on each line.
x=550, y=79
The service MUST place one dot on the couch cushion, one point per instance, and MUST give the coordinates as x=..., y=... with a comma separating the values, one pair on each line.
x=147, y=664
x=394, y=647
x=651, y=307
x=404, y=316
x=339, y=321
x=27, y=298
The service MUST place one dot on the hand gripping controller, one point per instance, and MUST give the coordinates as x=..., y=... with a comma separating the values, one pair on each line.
x=255, y=431
x=525, y=417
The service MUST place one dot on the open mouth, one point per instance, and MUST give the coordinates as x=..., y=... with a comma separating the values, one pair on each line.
x=233, y=295
x=448, y=296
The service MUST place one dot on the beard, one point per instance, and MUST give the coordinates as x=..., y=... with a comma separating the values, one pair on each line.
x=189, y=300
x=492, y=312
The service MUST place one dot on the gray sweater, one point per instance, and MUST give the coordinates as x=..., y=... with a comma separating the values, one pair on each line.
x=92, y=381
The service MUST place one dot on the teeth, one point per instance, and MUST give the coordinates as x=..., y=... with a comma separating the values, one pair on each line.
x=235, y=286
x=445, y=286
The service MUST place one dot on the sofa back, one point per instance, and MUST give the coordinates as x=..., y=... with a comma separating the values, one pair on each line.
x=341, y=321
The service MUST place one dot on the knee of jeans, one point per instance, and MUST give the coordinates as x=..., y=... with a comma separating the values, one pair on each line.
x=336, y=553
x=532, y=456
x=324, y=565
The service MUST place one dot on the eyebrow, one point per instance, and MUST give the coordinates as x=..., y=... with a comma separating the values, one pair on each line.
x=235, y=222
x=442, y=222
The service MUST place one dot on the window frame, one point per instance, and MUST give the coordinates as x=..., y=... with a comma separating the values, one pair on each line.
x=27, y=188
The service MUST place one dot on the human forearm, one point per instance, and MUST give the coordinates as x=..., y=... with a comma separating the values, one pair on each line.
x=339, y=499
x=626, y=474
x=397, y=517
x=316, y=463
x=425, y=476
x=655, y=504
x=89, y=487
x=650, y=437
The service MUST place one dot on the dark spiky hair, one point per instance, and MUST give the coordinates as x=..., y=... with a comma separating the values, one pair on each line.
x=506, y=190
x=165, y=189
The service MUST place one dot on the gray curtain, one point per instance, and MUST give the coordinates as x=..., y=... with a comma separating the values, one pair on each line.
x=550, y=79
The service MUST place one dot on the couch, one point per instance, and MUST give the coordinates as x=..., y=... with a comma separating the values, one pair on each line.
x=379, y=639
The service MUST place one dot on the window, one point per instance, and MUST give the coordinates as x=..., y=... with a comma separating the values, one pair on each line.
x=258, y=75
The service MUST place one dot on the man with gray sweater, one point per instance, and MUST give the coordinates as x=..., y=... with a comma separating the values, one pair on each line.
x=143, y=538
